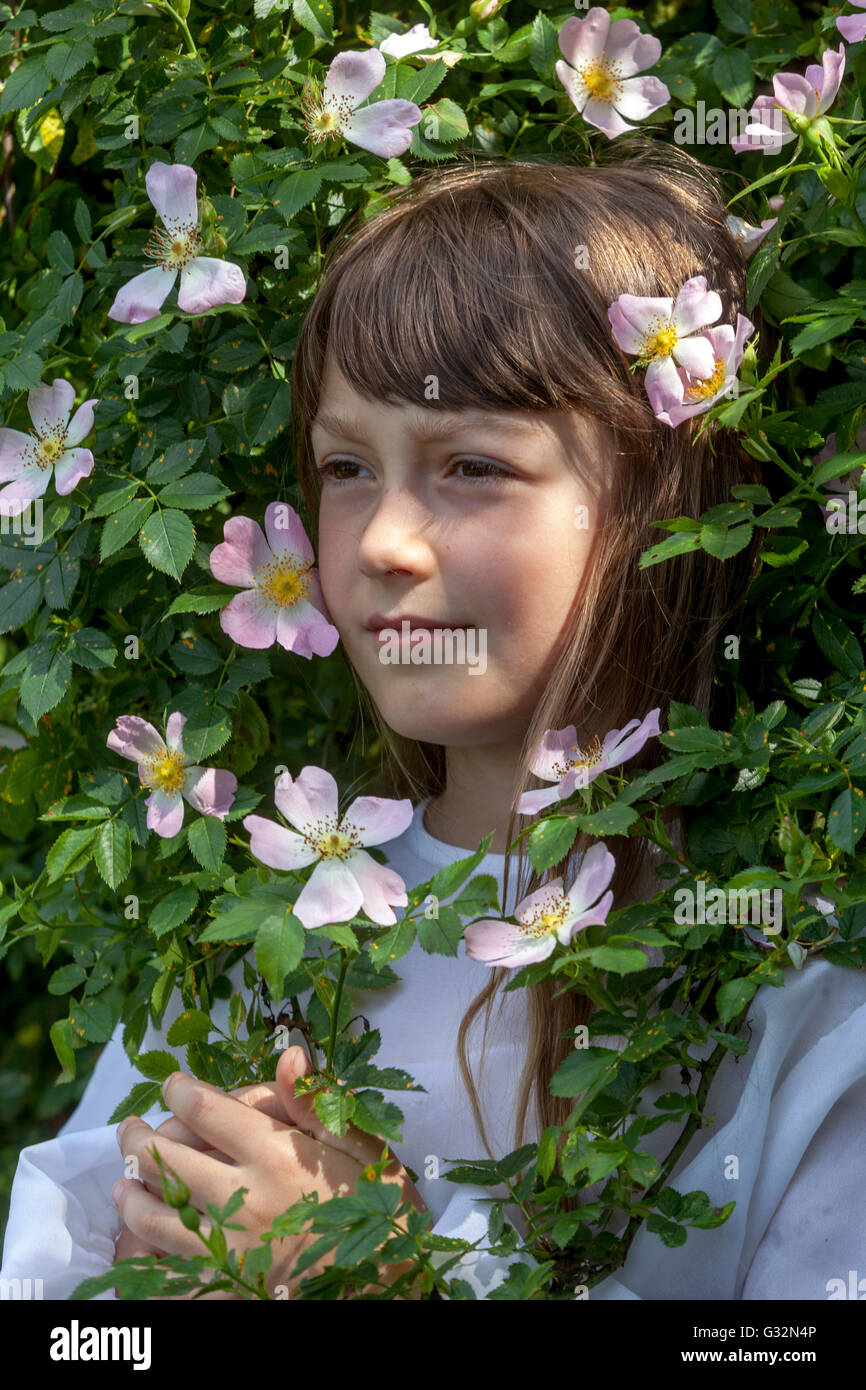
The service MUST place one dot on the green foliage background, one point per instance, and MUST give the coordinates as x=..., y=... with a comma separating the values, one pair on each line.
x=207, y=436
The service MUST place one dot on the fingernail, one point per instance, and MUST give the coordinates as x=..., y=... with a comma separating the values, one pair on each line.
x=116, y=1191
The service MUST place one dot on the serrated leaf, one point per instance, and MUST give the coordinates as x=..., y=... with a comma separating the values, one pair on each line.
x=125, y=523
x=66, y=978
x=71, y=851
x=157, y=1065
x=171, y=910
x=335, y=1108
x=207, y=841
x=441, y=935
x=846, y=821
x=113, y=852
x=143, y=1097
x=191, y=1026
x=45, y=683
x=167, y=541
x=279, y=948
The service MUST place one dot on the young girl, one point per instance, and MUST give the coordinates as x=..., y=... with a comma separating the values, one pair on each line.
x=476, y=453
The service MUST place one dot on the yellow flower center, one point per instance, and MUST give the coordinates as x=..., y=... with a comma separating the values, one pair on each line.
x=283, y=580
x=326, y=839
x=660, y=338
x=590, y=758
x=601, y=77
x=45, y=449
x=546, y=917
x=709, y=385
x=52, y=448
x=166, y=771
x=175, y=247
x=324, y=117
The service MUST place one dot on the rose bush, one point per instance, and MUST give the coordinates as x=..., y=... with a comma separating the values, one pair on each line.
x=253, y=131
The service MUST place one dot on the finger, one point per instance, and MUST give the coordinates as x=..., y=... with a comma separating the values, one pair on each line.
x=151, y=1221
x=129, y=1246
x=219, y=1119
x=301, y=1111
x=208, y=1179
x=261, y=1095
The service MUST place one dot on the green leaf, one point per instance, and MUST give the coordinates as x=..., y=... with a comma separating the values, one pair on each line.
x=295, y=191
x=168, y=541
x=441, y=935
x=837, y=642
x=191, y=1026
x=544, y=48
x=582, y=1068
x=19, y=600
x=444, y=121
x=60, y=1034
x=25, y=85
x=113, y=852
x=734, y=996
x=70, y=851
x=92, y=1020
x=207, y=841
x=171, y=910
x=736, y=15
x=45, y=683
x=279, y=948
x=550, y=841
x=674, y=545
x=622, y=960
x=121, y=527
x=734, y=75
x=335, y=1108
x=196, y=491
x=319, y=21
x=66, y=978
x=823, y=330
x=156, y=1066
x=378, y=1116
x=143, y=1097
x=725, y=541
x=847, y=819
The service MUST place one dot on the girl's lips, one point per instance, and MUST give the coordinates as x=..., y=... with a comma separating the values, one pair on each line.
x=377, y=623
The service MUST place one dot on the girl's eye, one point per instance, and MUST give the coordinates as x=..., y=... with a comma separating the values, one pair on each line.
x=339, y=470
x=483, y=470
x=329, y=469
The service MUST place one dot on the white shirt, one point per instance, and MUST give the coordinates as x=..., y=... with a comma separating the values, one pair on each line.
x=792, y=1113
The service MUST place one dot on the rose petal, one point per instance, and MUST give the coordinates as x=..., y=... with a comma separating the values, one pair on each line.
x=242, y=551
x=49, y=406
x=135, y=738
x=142, y=298
x=311, y=796
x=276, y=846
x=354, y=74
x=71, y=466
x=206, y=282
x=172, y=190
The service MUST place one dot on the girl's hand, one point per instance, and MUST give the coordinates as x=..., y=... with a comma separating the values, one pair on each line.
x=223, y=1144
x=261, y=1095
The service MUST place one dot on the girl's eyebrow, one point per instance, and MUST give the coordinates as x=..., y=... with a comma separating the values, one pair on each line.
x=443, y=427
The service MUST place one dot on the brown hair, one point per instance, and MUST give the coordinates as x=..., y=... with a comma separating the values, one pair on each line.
x=470, y=273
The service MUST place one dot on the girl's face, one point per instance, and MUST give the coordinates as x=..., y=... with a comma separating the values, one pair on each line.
x=485, y=528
